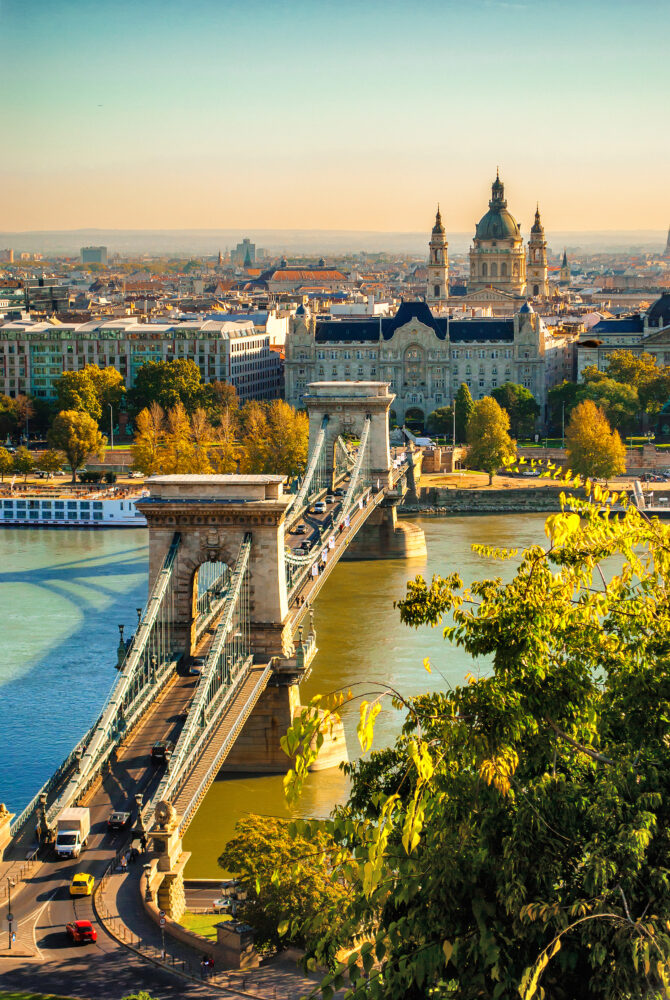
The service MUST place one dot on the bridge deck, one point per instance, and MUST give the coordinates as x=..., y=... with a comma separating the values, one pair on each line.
x=221, y=741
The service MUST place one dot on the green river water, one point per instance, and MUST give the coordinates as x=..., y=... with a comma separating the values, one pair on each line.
x=63, y=594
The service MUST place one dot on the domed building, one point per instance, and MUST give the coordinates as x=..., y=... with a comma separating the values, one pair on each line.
x=497, y=257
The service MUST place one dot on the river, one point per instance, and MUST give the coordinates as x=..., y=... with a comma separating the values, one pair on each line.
x=63, y=594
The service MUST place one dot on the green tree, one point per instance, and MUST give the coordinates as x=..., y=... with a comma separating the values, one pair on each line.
x=220, y=398
x=593, y=448
x=77, y=435
x=50, y=461
x=514, y=839
x=76, y=391
x=489, y=443
x=655, y=393
x=520, y=406
x=168, y=383
x=23, y=462
x=261, y=855
x=631, y=369
x=441, y=421
x=619, y=402
x=6, y=463
x=108, y=385
x=9, y=418
x=464, y=406
x=561, y=400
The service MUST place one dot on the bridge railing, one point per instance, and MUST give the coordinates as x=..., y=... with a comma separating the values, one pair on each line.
x=227, y=662
x=146, y=668
x=189, y=809
x=313, y=471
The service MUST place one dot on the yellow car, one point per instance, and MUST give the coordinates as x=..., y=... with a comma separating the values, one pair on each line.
x=82, y=885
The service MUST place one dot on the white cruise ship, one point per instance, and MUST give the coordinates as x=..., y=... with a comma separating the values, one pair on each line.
x=62, y=508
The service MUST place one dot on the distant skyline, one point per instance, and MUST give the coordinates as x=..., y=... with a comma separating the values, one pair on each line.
x=312, y=114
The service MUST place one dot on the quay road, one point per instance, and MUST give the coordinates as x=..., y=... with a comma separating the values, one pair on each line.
x=43, y=906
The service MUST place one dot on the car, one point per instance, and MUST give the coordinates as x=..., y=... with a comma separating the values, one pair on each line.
x=319, y=507
x=81, y=932
x=118, y=821
x=340, y=492
x=82, y=884
x=331, y=498
x=300, y=529
x=305, y=546
x=161, y=751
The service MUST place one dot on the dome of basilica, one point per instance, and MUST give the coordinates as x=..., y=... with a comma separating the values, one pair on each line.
x=498, y=223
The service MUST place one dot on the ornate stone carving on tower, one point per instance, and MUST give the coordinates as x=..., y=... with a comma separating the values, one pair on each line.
x=537, y=274
x=497, y=257
x=437, y=286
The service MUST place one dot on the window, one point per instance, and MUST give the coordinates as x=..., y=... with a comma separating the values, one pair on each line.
x=494, y=270
x=436, y=291
x=503, y=270
x=485, y=271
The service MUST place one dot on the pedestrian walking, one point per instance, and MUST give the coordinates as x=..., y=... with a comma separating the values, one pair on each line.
x=143, y=842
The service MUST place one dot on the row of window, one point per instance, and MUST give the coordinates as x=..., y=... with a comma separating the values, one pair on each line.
x=83, y=505
x=47, y=515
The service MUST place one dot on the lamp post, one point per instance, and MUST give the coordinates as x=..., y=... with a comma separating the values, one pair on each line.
x=563, y=425
x=10, y=915
x=111, y=425
x=453, y=414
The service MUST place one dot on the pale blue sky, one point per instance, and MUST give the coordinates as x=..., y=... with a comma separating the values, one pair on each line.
x=194, y=113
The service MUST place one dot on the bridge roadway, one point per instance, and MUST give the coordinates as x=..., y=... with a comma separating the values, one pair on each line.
x=43, y=906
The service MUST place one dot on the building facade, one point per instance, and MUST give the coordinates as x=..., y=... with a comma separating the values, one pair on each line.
x=93, y=255
x=640, y=333
x=425, y=357
x=437, y=283
x=497, y=256
x=34, y=355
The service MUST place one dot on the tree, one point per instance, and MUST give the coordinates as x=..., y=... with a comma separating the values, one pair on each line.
x=513, y=842
x=9, y=417
x=593, y=448
x=168, y=383
x=520, y=406
x=619, y=402
x=655, y=393
x=489, y=443
x=255, y=436
x=149, y=441
x=631, y=369
x=288, y=433
x=561, y=400
x=50, y=461
x=108, y=385
x=6, y=463
x=464, y=406
x=178, y=455
x=224, y=453
x=263, y=846
x=23, y=462
x=221, y=398
x=76, y=391
x=441, y=421
x=142, y=995
x=77, y=435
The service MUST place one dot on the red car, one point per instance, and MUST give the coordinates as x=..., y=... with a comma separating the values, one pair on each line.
x=81, y=932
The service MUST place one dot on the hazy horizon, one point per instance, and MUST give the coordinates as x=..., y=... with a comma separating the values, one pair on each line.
x=309, y=241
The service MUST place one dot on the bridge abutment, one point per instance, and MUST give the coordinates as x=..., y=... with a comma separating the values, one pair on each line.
x=257, y=749
x=384, y=536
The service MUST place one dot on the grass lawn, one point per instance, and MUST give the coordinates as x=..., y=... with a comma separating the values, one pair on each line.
x=203, y=924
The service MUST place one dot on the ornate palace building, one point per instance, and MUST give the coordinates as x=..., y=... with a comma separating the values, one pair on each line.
x=424, y=357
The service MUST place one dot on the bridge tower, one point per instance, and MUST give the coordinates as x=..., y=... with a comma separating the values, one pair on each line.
x=347, y=404
x=213, y=514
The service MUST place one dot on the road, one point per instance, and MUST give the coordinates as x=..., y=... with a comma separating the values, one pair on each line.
x=44, y=906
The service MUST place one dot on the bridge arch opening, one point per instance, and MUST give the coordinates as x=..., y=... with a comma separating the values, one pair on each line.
x=209, y=586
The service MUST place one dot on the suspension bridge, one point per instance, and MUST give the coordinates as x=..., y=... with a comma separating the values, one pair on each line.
x=226, y=635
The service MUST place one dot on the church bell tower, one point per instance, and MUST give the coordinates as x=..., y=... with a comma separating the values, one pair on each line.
x=437, y=286
x=537, y=274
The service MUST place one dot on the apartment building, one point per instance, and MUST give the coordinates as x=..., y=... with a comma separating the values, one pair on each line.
x=33, y=355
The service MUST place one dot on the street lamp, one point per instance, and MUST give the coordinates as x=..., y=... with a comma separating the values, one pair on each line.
x=111, y=425
x=10, y=915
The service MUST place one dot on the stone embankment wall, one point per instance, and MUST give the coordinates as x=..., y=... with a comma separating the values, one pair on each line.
x=638, y=460
x=442, y=503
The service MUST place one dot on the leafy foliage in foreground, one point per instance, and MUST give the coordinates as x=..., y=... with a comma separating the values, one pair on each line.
x=516, y=839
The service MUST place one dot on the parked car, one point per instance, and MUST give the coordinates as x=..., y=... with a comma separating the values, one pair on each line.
x=81, y=932
x=82, y=884
x=161, y=751
x=118, y=821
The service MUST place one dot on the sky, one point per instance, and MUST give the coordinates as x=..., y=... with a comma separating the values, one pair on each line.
x=316, y=114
